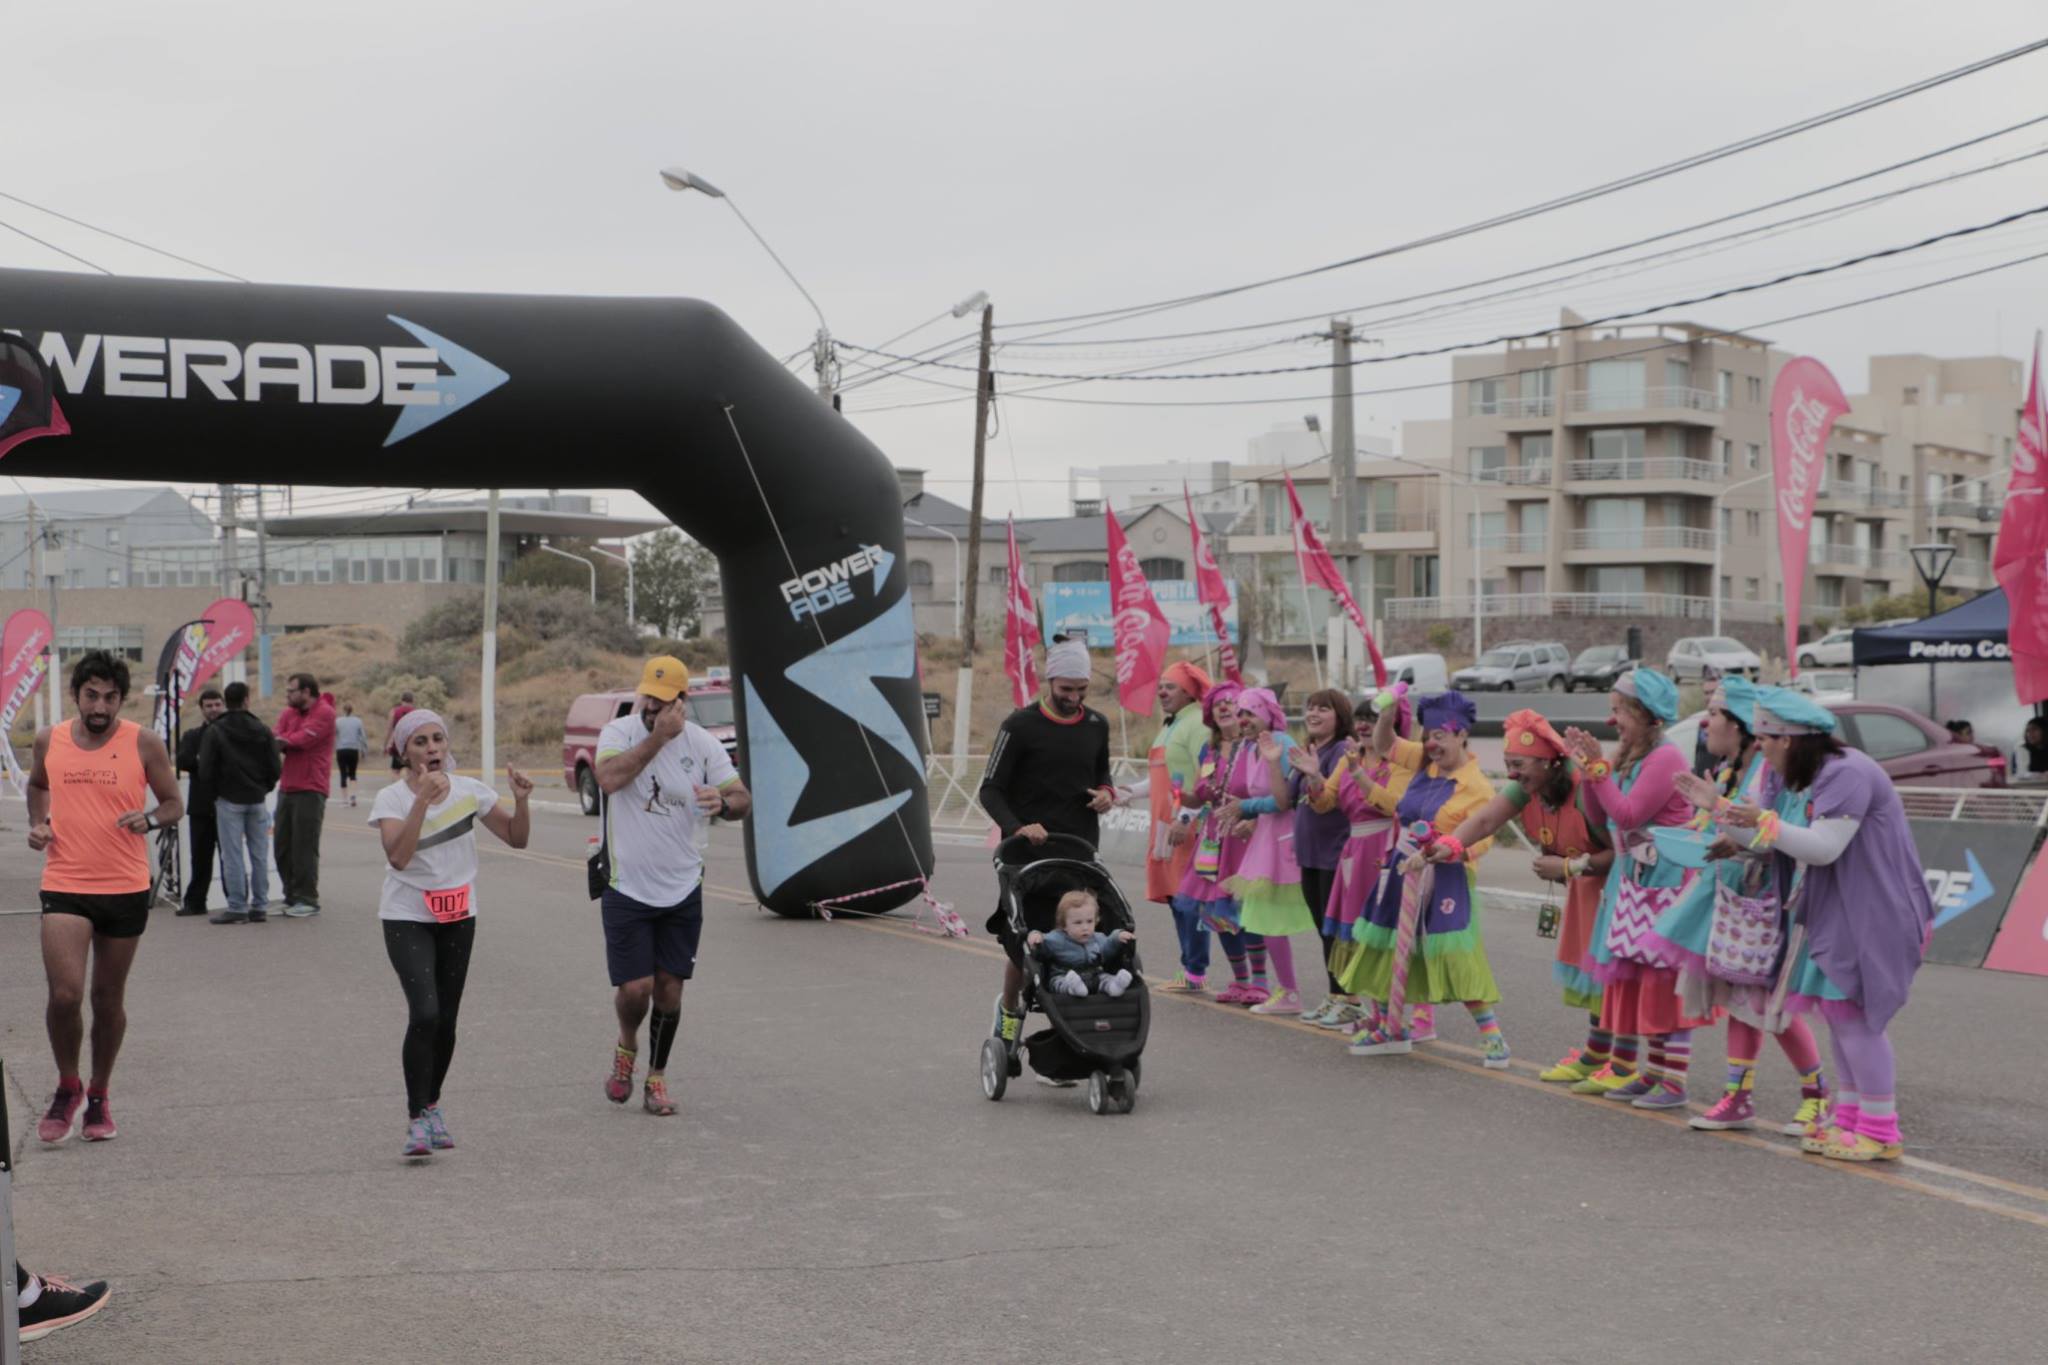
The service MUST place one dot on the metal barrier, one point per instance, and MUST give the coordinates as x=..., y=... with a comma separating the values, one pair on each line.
x=2013, y=805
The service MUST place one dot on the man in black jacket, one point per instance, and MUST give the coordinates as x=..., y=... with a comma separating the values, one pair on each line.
x=1047, y=774
x=238, y=759
x=199, y=816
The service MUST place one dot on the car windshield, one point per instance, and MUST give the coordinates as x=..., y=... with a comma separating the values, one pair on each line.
x=711, y=709
x=1496, y=658
x=1721, y=644
x=1824, y=680
x=1599, y=654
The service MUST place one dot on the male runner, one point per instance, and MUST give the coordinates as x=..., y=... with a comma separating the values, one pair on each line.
x=664, y=779
x=88, y=793
x=1047, y=774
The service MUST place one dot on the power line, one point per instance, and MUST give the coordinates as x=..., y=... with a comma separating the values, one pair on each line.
x=23, y=232
x=109, y=232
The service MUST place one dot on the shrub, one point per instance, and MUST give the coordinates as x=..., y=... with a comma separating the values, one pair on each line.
x=1441, y=637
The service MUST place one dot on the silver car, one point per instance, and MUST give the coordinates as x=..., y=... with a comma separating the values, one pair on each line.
x=1518, y=666
x=1711, y=656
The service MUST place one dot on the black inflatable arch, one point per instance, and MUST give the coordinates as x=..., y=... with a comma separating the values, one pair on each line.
x=231, y=383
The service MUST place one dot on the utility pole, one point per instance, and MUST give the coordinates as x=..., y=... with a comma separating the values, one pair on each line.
x=1343, y=461
x=230, y=496
x=490, y=680
x=36, y=566
x=984, y=399
x=262, y=602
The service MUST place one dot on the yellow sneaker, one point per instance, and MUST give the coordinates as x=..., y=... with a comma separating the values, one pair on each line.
x=1603, y=1080
x=1570, y=1070
x=1808, y=1118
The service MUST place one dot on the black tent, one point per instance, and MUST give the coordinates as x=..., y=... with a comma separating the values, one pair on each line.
x=1973, y=632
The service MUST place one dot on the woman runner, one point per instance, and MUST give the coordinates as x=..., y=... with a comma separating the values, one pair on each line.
x=428, y=905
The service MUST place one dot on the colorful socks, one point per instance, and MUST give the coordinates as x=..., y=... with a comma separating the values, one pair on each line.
x=1741, y=1074
x=1671, y=1058
x=1280, y=949
x=1878, y=1119
x=1233, y=953
x=1626, y=1047
x=1813, y=1085
x=1744, y=1042
x=1422, y=1021
x=1488, y=1021
x=1800, y=1048
x=1599, y=1045
x=1255, y=951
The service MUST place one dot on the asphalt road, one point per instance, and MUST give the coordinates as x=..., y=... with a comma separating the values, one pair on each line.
x=837, y=1188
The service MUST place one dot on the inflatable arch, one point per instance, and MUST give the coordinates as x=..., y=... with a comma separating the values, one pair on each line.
x=232, y=383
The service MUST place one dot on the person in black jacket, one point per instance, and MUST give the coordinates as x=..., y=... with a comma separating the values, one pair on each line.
x=199, y=814
x=1048, y=773
x=239, y=760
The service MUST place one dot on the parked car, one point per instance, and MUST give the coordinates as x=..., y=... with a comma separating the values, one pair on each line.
x=1710, y=656
x=1422, y=672
x=1913, y=750
x=1828, y=685
x=1832, y=648
x=711, y=706
x=1597, y=668
x=1517, y=666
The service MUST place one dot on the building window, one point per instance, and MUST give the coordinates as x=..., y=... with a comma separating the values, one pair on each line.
x=1724, y=455
x=1616, y=454
x=920, y=573
x=1753, y=388
x=1727, y=586
x=1614, y=385
x=1483, y=396
x=1912, y=395
x=1678, y=373
x=1083, y=572
x=1422, y=576
x=1612, y=579
x=1727, y=524
x=1753, y=523
x=1161, y=570
x=1753, y=455
x=1724, y=386
x=113, y=578
x=1538, y=383
x=999, y=575
x=1482, y=462
x=1535, y=454
x=113, y=535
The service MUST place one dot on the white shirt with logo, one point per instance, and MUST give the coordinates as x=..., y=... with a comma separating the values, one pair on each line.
x=653, y=825
x=442, y=872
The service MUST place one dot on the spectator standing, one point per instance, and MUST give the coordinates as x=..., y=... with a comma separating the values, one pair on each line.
x=351, y=742
x=239, y=761
x=405, y=704
x=2030, y=759
x=199, y=805
x=305, y=732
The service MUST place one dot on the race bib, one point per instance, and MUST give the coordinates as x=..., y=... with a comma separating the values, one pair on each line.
x=448, y=906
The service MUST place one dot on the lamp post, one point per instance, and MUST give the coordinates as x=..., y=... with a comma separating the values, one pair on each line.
x=626, y=560
x=1720, y=541
x=823, y=360
x=957, y=568
x=1932, y=561
x=586, y=563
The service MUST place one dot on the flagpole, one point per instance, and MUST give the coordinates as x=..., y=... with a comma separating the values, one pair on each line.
x=1308, y=627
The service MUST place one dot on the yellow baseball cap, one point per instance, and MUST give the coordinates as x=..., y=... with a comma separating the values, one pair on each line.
x=664, y=678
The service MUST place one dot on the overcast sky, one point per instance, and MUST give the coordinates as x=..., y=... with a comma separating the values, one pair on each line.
x=1065, y=157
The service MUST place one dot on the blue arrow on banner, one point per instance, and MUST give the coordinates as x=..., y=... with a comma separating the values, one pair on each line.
x=1980, y=891
x=9, y=396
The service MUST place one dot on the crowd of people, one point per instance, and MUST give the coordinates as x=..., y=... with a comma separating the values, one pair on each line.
x=1783, y=885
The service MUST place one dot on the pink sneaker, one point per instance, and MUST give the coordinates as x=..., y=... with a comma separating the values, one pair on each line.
x=619, y=1087
x=1735, y=1109
x=56, y=1124
x=99, y=1119
x=1286, y=1002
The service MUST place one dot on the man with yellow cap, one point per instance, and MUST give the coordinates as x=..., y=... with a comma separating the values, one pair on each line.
x=664, y=780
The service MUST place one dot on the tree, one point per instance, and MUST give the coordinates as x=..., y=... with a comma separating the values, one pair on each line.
x=671, y=578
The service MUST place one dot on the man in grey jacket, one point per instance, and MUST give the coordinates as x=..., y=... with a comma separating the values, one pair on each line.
x=238, y=758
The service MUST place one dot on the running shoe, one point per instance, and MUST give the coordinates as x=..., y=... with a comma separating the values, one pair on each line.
x=1344, y=1014
x=1497, y=1057
x=654, y=1098
x=1603, y=1080
x=419, y=1139
x=1185, y=985
x=259, y=917
x=1285, y=1002
x=618, y=1087
x=1379, y=1043
x=437, y=1129
x=1735, y=1109
x=1808, y=1118
x=1321, y=1015
x=1658, y=1096
x=61, y=1304
x=1008, y=1027
x=63, y=1111
x=301, y=911
x=229, y=917
x=1422, y=1024
x=99, y=1119
x=1630, y=1090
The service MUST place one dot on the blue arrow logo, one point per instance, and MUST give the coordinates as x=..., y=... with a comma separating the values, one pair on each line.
x=9, y=396
x=842, y=676
x=1980, y=891
x=473, y=378
x=883, y=561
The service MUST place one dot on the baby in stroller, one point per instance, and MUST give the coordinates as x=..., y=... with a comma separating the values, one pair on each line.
x=1078, y=959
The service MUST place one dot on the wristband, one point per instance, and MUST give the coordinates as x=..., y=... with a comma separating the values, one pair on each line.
x=149, y=822
x=1598, y=769
x=1576, y=867
x=1451, y=842
x=1767, y=826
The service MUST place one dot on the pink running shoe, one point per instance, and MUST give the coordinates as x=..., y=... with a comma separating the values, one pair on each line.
x=619, y=1088
x=1735, y=1109
x=63, y=1111
x=1284, y=1002
x=99, y=1119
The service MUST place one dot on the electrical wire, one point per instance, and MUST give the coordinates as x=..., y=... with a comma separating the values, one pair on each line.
x=119, y=237
x=23, y=232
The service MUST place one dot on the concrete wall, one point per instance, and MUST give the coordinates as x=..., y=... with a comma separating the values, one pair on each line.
x=159, y=611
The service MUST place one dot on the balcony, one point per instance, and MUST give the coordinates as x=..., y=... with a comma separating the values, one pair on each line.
x=1578, y=604
x=1661, y=469
x=1836, y=555
x=1379, y=523
x=1538, y=409
x=1975, y=570
x=1848, y=497
x=1515, y=475
x=1644, y=538
x=1974, y=512
x=1525, y=543
x=1665, y=403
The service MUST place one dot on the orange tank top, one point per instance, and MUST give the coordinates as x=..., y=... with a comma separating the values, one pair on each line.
x=89, y=790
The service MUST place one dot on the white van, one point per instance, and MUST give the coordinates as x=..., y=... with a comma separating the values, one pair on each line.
x=1422, y=672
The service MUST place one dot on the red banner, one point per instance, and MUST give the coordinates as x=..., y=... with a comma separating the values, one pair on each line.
x=1805, y=401
x=1318, y=570
x=1141, y=629
x=1020, y=630
x=1212, y=592
x=2020, y=558
x=24, y=660
x=2022, y=943
x=193, y=655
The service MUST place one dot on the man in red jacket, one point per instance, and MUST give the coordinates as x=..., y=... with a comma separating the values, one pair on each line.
x=305, y=732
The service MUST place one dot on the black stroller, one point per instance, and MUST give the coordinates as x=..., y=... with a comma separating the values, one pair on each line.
x=1096, y=1038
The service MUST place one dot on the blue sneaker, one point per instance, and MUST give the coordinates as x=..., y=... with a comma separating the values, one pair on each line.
x=419, y=1139
x=1661, y=1096
x=296, y=911
x=437, y=1129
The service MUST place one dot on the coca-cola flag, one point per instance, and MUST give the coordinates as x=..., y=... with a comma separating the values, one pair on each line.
x=2020, y=558
x=1212, y=592
x=1805, y=401
x=1141, y=629
x=24, y=660
x=28, y=408
x=1318, y=570
x=195, y=652
x=1020, y=630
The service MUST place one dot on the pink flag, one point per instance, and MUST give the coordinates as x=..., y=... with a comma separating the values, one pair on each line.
x=1212, y=592
x=1805, y=402
x=1020, y=630
x=1141, y=629
x=2020, y=558
x=1318, y=570
x=24, y=658
x=197, y=650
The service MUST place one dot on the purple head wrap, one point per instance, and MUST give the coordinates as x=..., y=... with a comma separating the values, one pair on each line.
x=1447, y=711
x=1223, y=691
x=1263, y=704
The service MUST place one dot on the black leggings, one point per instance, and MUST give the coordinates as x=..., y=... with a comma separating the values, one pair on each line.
x=1315, y=889
x=433, y=963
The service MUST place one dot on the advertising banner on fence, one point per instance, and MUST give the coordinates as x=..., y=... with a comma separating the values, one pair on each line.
x=2020, y=558
x=1805, y=401
x=1972, y=867
x=196, y=651
x=2022, y=944
x=23, y=662
x=1071, y=607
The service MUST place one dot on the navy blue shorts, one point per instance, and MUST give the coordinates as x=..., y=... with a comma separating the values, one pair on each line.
x=639, y=938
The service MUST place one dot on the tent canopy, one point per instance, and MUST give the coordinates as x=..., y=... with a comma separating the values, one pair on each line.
x=1973, y=631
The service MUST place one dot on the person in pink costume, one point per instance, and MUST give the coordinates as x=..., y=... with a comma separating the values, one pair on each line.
x=1267, y=883
x=1217, y=853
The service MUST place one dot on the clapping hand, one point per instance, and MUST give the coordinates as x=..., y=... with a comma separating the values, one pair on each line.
x=1583, y=746
x=1303, y=761
x=1742, y=815
x=1269, y=745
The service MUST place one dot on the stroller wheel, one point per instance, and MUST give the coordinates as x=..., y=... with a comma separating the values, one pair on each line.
x=995, y=1068
x=1099, y=1101
x=1123, y=1092
x=1135, y=1067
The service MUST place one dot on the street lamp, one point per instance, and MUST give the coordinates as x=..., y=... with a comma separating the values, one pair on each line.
x=1720, y=540
x=631, y=620
x=586, y=563
x=958, y=595
x=823, y=360
x=1932, y=560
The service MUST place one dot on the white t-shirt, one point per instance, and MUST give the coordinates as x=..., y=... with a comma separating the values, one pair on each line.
x=444, y=864
x=655, y=829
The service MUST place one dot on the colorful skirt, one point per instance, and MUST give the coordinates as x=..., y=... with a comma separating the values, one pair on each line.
x=1682, y=934
x=1575, y=931
x=1267, y=883
x=1648, y=1003
x=1360, y=867
x=1444, y=968
x=1809, y=991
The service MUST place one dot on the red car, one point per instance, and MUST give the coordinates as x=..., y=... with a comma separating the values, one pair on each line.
x=1913, y=750
x=711, y=706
